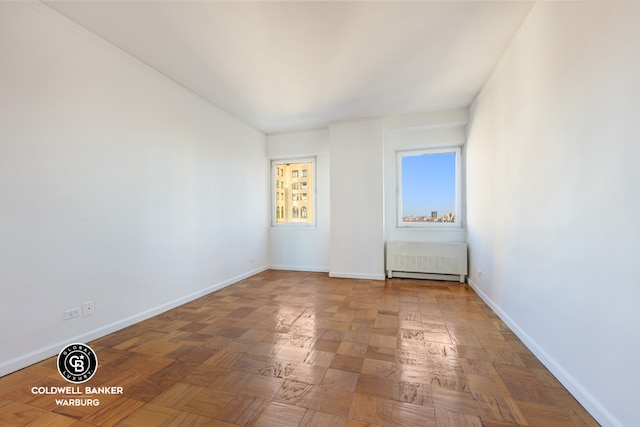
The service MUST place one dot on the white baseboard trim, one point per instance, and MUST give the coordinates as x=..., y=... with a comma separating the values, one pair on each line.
x=582, y=395
x=357, y=276
x=41, y=354
x=298, y=268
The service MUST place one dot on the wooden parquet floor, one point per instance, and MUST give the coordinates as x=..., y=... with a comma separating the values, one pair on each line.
x=302, y=349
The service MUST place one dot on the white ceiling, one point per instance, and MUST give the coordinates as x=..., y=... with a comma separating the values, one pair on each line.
x=291, y=65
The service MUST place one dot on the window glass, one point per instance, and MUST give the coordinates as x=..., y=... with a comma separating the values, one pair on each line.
x=290, y=206
x=428, y=190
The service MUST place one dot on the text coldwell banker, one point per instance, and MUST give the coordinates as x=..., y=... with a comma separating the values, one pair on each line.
x=76, y=390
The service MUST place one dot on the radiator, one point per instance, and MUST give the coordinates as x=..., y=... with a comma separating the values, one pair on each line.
x=429, y=260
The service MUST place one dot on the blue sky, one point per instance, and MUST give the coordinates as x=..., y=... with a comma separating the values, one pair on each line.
x=428, y=184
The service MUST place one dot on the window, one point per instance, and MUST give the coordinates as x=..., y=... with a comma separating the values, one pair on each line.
x=429, y=187
x=289, y=207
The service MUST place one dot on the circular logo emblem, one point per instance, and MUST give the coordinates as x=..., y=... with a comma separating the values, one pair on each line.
x=77, y=363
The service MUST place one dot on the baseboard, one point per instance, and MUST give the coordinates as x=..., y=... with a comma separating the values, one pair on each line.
x=298, y=268
x=41, y=354
x=357, y=276
x=582, y=395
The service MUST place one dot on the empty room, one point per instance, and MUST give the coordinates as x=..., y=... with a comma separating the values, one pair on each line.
x=299, y=213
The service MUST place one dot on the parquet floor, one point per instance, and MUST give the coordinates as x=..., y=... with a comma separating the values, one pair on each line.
x=303, y=349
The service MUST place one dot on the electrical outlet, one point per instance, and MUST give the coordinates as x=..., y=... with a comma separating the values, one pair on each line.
x=480, y=275
x=88, y=309
x=71, y=313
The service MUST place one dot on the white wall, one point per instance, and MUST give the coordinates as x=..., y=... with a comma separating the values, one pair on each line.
x=294, y=247
x=116, y=186
x=427, y=130
x=357, y=199
x=553, y=201
x=363, y=186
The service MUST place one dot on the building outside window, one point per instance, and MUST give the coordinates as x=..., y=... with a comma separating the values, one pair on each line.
x=289, y=206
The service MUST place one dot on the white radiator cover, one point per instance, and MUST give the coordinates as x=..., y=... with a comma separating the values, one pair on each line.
x=430, y=260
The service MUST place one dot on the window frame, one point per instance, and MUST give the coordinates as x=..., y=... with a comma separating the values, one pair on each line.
x=400, y=154
x=312, y=199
